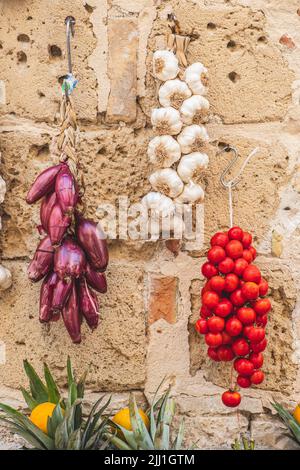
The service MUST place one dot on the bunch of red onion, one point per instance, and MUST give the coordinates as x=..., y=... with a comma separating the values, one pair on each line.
x=234, y=311
x=72, y=257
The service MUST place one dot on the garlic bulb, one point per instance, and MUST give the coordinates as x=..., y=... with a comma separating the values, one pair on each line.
x=192, y=193
x=173, y=93
x=192, y=165
x=194, y=109
x=165, y=65
x=164, y=150
x=167, y=182
x=192, y=138
x=5, y=278
x=2, y=189
x=158, y=203
x=196, y=77
x=166, y=121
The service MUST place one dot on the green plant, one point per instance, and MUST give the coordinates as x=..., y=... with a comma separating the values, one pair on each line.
x=161, y=414
x=289, y=421
x=243, y=444
x=67, y=428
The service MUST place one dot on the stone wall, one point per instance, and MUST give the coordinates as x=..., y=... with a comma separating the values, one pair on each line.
x=251, y=49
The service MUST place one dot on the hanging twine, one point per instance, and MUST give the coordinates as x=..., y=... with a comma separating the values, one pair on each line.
x=176, y=42
x=67, y=140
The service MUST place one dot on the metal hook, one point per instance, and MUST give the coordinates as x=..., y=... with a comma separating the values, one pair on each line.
x=70, y=23
x=234, y=181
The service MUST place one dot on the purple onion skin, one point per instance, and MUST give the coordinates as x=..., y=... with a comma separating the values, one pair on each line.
x=61, y=293
x=71, y=316
x=88, y=305
x=46, y=208
x=65, y=189
x=69, y=259
x=96, y=280
x=92, y=240
x=46, y=295
x=57, y=225
x=42, y=261
x=44, y=184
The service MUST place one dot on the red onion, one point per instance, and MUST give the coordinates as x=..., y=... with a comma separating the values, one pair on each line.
x=46, y=208
x=69, y=259
x=92, y=239
x=66, y=193
x=57, y=224
x=43, y=184
x=61, y=293
x=71, y=316
x=46, y=296
x=88, y=305
x=96, y=280
x=42, y=260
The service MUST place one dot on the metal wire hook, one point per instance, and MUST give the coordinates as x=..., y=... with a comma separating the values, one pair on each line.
x=70, y=23
x=235, y=180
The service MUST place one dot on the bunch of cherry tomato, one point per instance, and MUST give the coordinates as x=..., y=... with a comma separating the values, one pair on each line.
x=234, y=311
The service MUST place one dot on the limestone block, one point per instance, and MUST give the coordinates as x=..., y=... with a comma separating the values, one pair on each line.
x=33, y=57
x=2, y=93
x=269, y=432
x=114, y=354
x=162, y=298
x=122, y=69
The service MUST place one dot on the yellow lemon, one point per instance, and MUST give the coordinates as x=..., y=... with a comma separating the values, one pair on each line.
x=39, y=415
x=123, y=418
x=296, y=414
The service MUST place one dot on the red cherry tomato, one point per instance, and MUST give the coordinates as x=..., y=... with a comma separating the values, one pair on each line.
x=239, y=266
x=205, y=312
x=210, y=299
x=234, y=249
x=262, y=320
x=212, y=353
x=231, y=399
x=257, y=359
x=247, y=239
x=253, y=252
x=252, y=274
x=217, y=283
x=240, y=347
x=257, y=377
x=263, y=287
x=216, y=254
x=244, y=366
x=220, y=239
x=201, y=326
x=225, y=353
x=246, y=315
x=237, y=298
x=259, y=347
x=247, y=255
x=235, y=233
x=243, y=382
x=262, y=306
x=231, y=282
x=226, y=266
x=250, y=290
x=216, y=324
x=233, y=326
x=213, y=339
x=224, y=308
x=226, y=338
x=209, y=270
x=205, y=288
x=255, y=334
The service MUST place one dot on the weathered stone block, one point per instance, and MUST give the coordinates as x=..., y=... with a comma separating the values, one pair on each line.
x=122, y=69
x=114, y=353
x=162, y=298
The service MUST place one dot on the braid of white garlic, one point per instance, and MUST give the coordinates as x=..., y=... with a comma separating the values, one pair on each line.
x=5, y=275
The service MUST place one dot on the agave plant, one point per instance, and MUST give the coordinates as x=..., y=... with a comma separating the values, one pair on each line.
x=289, y=421
x=160, y=414
x=243, y=444
x=66, y=428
